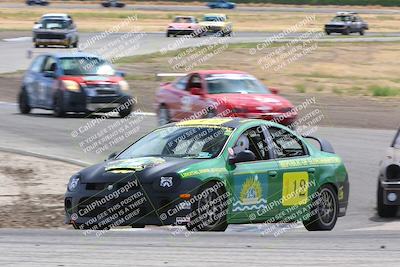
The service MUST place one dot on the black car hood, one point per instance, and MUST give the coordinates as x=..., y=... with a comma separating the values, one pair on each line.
x=146, y=169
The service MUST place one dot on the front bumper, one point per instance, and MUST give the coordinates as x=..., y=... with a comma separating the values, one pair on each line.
x=52, y=41
x=180, y=31
x=391, y=192
x=140, y=205
x=337, y=29
x=82, y=102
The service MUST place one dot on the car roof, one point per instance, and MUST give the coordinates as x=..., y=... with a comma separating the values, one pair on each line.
x=217, y=121
x=346, y=13
x=214, y=15
x=205, y=72
x=71, y=54
x=185, y=17
x=55, y=15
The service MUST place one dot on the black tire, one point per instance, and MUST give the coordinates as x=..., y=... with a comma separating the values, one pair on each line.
x=346, y=31
x=125, y=112
x=37, y=45
x=212, y=218
x=328, y=32
x=324, y=210
x=75, y=45
x=384, y=211
x=58, y=107
x=163, y=115
x=23, y=102
x=362, y=32
x=168, y=34
x=211, y=114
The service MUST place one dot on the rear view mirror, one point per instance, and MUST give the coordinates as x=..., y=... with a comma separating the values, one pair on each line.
x=196, y=91
x=112, y=156
x=274, y=90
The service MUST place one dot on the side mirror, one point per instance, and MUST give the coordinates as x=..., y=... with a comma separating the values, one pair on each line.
x=50, y=74
x=274, y=90
x=36, y=22
x=112, y=156
x=120, y=73
x=196, y=91
x=242, y=156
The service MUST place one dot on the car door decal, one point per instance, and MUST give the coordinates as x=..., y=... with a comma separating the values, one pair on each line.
x=250, y=195
x=295, y=188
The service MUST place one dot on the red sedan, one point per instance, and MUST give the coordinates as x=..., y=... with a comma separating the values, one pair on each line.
x=223, y=93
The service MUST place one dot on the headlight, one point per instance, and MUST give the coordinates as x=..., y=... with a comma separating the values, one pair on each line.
x=71, y=85
x=73, y=183
x=123, y=85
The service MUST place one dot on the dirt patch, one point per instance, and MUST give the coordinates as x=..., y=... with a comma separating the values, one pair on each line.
x=32, y=193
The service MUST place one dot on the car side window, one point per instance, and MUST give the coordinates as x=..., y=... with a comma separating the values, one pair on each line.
x=37, y=64
x=49, y=65
x=182, y=83
x=286, y=145
x=254, y=140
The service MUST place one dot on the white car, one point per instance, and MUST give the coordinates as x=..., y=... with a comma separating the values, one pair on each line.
x=388, y=195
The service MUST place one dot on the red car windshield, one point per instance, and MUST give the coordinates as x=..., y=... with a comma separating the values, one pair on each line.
x=78, y=66
x=234, y=84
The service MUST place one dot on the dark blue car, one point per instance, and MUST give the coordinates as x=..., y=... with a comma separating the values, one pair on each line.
x=74, y=82
x=221, y=4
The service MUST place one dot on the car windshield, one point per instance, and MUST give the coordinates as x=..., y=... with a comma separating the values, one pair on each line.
x=213, y=18
x=182, y=142
x=234, y=84
x=341, y=18
x=183, y=20
x=86, y=66
x=54, y=24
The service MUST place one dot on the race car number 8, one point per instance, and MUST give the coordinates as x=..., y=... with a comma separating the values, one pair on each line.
x=295, y=188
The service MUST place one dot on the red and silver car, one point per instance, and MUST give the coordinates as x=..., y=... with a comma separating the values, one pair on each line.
x=223, y=93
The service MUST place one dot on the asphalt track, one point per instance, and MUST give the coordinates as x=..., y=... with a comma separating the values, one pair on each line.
x=14, y=49
x=309, y=9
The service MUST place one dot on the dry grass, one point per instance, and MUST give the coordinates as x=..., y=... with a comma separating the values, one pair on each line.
x=355, y=69
x=99, y=20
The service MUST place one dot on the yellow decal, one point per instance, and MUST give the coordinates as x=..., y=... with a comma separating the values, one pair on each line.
x=341, y=193
x=308, y=161
x=217, y=121
x=202, y=171
x=251, y=191
x=295, y=188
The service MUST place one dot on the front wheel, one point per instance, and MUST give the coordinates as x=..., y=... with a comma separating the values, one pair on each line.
x=346, y=31
x=324, y=210
x=58, y=107
x=209, y=211
x=23, y=102
x=384, y=211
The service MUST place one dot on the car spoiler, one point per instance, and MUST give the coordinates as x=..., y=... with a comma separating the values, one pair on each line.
x=159, y=76
x=323, y=143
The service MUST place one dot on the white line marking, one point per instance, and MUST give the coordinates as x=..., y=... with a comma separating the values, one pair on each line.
x=18, y=39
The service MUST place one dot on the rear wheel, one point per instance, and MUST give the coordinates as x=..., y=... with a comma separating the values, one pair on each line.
x=23, y=102
x=384, y=211
x=37, y=45
x=328, y=32
x=362, y=32
x=125, y=112
x=324, y=210
x=168, y=34
x=209, y=211
x=163, y=116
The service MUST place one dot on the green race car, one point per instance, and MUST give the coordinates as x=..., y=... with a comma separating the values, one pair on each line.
x=209, y=173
